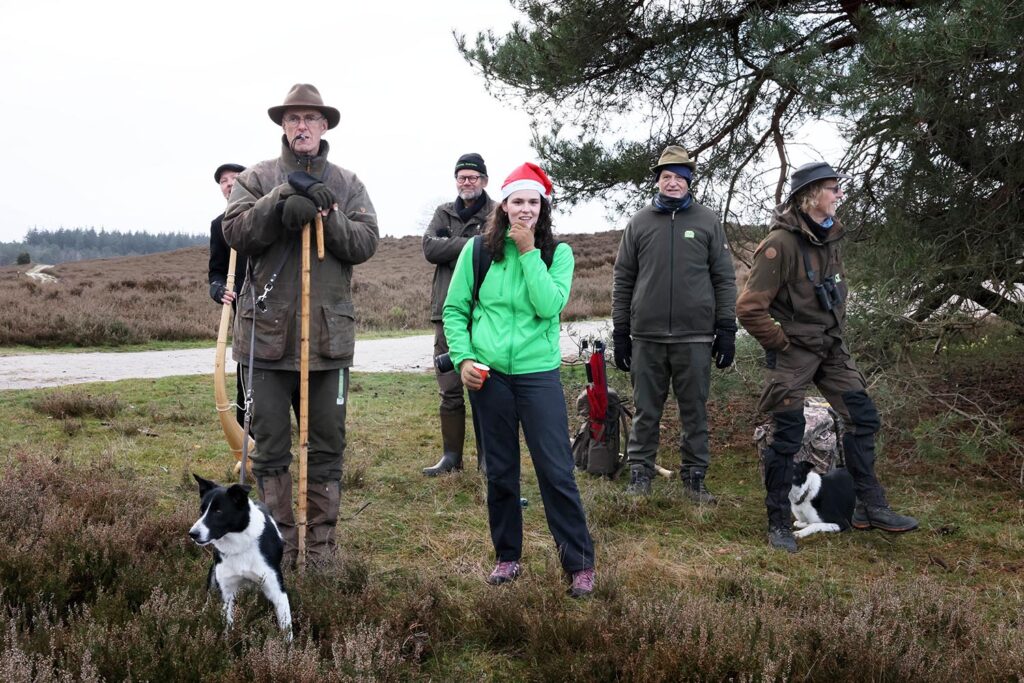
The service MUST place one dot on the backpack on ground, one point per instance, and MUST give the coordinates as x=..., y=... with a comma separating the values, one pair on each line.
x=821, y=445
x=606, y=455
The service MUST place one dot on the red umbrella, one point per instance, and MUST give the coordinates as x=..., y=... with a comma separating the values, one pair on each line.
x=597, y=391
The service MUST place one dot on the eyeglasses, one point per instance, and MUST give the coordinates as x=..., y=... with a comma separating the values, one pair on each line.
x=834, y=189
x=294, y=119
x=463, y=179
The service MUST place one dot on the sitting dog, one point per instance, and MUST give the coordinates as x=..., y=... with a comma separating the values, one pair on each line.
x=821, y=504
x=247, y=546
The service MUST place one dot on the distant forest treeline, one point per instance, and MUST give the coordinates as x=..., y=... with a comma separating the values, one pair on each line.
x=78, y=244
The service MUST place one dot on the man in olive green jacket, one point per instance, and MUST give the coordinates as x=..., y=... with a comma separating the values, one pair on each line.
x=794, y=304
x=267, y=209
x=673, y=310
x=454, y=224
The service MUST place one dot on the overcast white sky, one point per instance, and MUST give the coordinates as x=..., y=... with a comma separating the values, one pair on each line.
x=116, y=113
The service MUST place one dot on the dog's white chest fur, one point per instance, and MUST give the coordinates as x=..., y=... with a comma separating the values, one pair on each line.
x=240, y=552
x=800, y=498
x=821, y=503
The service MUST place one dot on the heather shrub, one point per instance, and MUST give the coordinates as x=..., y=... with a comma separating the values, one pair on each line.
x=63, y=404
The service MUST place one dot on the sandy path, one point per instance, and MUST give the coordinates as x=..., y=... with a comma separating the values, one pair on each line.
x=401, y=354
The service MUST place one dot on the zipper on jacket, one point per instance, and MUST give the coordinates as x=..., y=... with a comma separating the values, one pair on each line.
x=511, y=304
x=671, y=268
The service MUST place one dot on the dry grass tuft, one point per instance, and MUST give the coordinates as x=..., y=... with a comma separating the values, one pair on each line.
x=72, y=403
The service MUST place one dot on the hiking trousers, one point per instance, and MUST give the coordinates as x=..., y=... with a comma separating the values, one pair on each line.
x=535, y=401
x=687, y=365
x=835, y=374
x=272, y=425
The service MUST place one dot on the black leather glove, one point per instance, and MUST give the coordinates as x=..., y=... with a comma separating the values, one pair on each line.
x=297, y=211
x=443, y=232
x=217, y=290
x=723, y=349
x=623, y=349
x=312, y=188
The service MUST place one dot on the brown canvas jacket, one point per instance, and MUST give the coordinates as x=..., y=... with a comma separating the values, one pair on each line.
x=778, y=306
x=443, y=252
x=673, y=277
x=252, y=225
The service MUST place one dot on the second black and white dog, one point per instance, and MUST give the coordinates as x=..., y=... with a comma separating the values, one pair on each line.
x=247, y=547
x=821, y=504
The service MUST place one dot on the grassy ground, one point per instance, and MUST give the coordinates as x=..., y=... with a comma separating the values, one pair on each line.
x=101, y=581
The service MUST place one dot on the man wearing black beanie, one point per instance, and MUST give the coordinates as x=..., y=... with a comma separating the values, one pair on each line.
x=454, y=224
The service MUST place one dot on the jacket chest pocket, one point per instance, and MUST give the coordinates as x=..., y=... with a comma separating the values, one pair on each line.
x=338, y=333
x=271, y=332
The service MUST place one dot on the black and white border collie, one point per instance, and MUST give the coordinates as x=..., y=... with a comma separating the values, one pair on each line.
x=821, y=504
x=247, y=546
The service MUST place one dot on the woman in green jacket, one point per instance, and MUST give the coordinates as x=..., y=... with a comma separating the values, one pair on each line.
x=512, y=331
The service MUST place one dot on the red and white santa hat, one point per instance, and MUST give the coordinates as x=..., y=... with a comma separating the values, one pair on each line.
x=527, y=177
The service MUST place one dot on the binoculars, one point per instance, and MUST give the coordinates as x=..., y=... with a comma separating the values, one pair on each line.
x=829, y=295
x=444, y=363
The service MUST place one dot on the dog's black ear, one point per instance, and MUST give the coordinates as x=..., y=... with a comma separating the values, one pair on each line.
x=239, y=493
x=204, y=485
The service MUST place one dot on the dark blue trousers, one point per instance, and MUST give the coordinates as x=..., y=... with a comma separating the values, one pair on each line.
x=535, y=401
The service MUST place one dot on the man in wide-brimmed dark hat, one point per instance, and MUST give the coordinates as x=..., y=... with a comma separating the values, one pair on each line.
x=454, y=224
x=673, y=311
x=794, y=304
x=269, y=206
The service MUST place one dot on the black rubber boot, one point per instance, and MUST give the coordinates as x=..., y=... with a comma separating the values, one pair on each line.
x=453, y=436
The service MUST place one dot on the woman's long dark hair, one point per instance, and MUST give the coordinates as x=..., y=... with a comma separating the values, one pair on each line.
x=498, y=224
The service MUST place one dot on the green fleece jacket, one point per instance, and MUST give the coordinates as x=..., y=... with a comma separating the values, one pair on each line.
x=515, y=326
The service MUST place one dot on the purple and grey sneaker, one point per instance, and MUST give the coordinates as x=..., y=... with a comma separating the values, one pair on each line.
x=582, y=583
x=504, y=572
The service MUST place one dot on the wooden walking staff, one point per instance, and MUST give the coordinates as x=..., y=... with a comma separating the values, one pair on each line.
x=300, y=518
x=233, y=432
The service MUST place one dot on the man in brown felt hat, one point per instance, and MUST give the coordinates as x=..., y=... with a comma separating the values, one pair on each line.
x=268, y=207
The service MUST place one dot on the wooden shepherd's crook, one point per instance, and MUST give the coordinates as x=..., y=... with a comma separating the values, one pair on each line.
x=300, y=519
x=232, y=430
